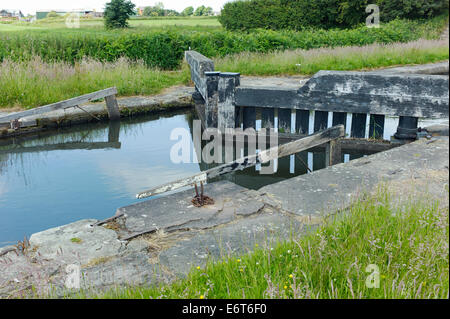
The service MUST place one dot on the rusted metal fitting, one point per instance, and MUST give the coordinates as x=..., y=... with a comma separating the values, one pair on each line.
x=201, y=200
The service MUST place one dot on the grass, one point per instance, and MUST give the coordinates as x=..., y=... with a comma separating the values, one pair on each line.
x=98, y=23
x=34, y=83
x=407, y=244
x=163, y=44
x=308, y=62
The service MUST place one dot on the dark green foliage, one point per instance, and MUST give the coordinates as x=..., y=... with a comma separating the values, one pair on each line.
x=412, y=9
x=117, y=12
x=164, y=49
x=203, y=11
x=158, y=11
x=301, y=14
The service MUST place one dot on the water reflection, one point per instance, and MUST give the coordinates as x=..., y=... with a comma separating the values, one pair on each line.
x=88, y=171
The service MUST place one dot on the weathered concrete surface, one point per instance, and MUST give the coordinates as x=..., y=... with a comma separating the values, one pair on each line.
x=230, y=202
x=102, y=258
x=334, y=188
x=439, y=129
x=181, y=236
x=293, y=82
x=175, y=97
x=440, y=68
x=240, y=237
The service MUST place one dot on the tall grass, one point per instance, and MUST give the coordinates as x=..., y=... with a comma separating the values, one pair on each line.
x=35, y=82
x=164, y=48
x=408, y=243
x=308, y=62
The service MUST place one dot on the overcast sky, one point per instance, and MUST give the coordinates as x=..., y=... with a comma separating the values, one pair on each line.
x=31, y=6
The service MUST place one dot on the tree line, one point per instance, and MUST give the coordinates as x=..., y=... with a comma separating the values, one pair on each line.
x=158, y=11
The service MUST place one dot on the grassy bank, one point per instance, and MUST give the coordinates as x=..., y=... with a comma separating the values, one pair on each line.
x=163, y=46
x=409, y=245
x=308, y=62
x=34, y=82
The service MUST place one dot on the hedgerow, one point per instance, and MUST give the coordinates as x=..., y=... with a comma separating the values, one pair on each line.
x=164, y=48
x=301, y=14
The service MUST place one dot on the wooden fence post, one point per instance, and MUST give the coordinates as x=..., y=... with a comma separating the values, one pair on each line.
x=226, y=109
x=112, y=107
x=332, y=153
x=212, y=99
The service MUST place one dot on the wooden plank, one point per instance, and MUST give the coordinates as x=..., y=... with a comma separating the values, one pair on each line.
x=252, y=160
x=113, y=131
x=320, y=121
x=358, y=129
x=238, y=114
x=226, y=109
x=332, y=153
x=249, y=119
x=339, y=118
x=284, y=120
x=432, y=106
x=61, y=147
x=376, y=129
x=302, y=122
x=267, y=118
x=60, y=105
x=212, y=99
x=112, y=107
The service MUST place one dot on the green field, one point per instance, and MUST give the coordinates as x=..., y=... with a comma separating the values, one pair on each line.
x=98, y=24
x=46, y=62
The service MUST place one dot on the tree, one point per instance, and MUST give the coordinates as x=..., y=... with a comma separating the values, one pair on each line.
x=117, y=12
x=208, y=11
x=156, y=11
x=188, y=11
x=199, y=11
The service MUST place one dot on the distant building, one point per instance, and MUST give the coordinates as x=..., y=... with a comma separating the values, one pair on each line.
x=82, y=12
x=10, y=14
x=140, y=11
x=43, y=14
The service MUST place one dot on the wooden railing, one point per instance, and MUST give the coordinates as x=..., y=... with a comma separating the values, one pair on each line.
x=329, y=137
x=109, y=95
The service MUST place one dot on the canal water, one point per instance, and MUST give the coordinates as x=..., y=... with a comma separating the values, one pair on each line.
x=89, y=171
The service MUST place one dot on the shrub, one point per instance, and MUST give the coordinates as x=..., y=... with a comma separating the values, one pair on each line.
x=300, y=14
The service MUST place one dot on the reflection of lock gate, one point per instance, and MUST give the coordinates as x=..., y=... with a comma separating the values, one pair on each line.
x=328, y=137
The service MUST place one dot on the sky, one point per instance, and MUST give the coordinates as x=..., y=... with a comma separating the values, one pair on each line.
x=31, y=6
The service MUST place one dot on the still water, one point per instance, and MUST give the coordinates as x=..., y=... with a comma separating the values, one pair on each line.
x=89, y=171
